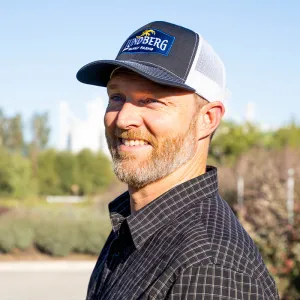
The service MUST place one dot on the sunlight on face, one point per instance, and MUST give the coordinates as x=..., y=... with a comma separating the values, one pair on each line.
x=163, y=117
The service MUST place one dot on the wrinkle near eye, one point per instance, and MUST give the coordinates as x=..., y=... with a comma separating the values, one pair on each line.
x=152, y=101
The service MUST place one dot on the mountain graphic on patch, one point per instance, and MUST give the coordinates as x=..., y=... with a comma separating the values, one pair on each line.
x=149, y=41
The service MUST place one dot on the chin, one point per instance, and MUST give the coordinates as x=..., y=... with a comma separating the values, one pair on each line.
x=125, y=157
x=130, y=164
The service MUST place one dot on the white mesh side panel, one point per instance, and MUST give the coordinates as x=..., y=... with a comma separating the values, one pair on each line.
x=207, y=74
x=209, y=64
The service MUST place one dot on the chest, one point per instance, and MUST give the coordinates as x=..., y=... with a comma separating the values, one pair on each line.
x=123, y=272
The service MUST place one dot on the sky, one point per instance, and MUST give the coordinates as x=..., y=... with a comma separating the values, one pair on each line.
x=44, y=44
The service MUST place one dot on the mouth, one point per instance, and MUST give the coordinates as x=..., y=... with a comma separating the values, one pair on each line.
x=133, y=143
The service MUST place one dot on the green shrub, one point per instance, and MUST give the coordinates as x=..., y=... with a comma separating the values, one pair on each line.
x=56, y=231
x=91, y=236
x=7, y=240
x=23, y=233
x=55, y=237
x=15, y=233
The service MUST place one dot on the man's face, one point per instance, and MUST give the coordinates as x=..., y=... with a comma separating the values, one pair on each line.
x=150, y=129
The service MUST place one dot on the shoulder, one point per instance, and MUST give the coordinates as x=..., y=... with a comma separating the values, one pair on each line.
x=214, y=242
x=213, y=282
x=213, y=235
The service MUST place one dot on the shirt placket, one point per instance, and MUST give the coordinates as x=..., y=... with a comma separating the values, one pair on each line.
x=117, y=251
x=103, y=274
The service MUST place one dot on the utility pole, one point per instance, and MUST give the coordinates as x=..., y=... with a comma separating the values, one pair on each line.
x=290, y=195
x=240, y=191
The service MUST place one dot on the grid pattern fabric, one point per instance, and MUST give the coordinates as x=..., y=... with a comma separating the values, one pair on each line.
x=186, y=244
x=153, y=70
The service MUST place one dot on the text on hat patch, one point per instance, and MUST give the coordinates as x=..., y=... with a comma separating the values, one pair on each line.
x=149, y=41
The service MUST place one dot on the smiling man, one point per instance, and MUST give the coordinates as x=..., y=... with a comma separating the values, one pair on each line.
x=173, y=236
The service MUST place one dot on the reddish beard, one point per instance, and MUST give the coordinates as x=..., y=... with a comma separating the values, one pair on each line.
x=165, y=157
x=113, y=140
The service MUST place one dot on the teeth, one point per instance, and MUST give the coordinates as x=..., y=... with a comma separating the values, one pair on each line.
x=132, y=143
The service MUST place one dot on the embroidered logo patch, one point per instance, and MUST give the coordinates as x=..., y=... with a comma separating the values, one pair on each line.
x=149, y=41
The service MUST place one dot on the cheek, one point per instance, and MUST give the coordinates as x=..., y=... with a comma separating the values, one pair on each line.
x=167, y=125
x=110, y=119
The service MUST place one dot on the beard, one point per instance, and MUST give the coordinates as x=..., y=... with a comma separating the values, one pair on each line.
x=166, y=156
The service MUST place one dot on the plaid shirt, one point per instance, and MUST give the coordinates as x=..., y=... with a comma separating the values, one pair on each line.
x=187, y=244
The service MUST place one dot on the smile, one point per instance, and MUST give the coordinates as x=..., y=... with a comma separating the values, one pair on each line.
x=134, y=143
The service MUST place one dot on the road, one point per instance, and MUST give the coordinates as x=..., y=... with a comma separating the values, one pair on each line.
x=44, y=280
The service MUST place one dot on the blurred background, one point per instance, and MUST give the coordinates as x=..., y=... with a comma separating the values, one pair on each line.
x=55, y=172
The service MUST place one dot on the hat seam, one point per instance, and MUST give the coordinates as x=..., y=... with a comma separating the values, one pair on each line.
x=192, y=57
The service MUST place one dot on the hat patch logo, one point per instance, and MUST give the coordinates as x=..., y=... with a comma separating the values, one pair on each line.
x=146, y=33
x=149, y=41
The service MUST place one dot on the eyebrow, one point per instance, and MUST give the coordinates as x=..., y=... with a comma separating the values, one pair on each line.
x=112, y=86
x=115, y=86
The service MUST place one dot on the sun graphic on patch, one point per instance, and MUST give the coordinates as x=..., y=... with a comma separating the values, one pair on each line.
x=147, y=32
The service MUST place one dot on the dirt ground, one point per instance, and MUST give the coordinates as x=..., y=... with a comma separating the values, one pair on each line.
x=33, y=255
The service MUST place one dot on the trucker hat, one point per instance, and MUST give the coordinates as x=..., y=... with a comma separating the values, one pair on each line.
x=167, y=54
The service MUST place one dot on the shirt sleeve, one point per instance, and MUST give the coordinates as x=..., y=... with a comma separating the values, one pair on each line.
x=216, y=282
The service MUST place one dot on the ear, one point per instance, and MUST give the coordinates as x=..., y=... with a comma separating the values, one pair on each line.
x=210, y=117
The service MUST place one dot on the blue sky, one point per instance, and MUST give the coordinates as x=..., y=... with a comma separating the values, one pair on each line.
x=44, y=43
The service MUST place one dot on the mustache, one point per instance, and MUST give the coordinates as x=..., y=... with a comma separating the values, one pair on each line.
x=136, y=134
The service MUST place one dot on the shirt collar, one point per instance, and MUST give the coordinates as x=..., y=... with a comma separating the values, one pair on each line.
x=146, y=221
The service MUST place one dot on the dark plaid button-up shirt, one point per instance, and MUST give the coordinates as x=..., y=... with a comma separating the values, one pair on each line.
x=186, y=244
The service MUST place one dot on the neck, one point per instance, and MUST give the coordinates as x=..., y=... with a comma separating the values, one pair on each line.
x=143, y=196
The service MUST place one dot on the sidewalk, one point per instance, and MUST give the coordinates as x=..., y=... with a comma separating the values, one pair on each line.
x=47, y=280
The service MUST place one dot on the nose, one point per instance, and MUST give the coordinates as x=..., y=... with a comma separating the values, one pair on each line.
x=129, y=117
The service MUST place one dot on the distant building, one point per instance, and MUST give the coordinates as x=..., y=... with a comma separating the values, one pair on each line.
x=76, y=134
x=250, y=112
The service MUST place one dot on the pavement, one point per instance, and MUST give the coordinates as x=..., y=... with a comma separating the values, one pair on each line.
x=51, y=280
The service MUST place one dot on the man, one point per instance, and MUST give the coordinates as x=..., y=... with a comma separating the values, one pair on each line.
x=173, y=236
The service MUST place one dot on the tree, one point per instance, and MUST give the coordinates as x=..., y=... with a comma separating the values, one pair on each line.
x=66, y=167
x=106, y=171
x=288, y=136
x=11, y=132
x=15, y=175
x=231, y=140
x=2, y=127
x=48, y=180
x=95, y=171
x=40, y=130
x=5, y=187
x=40, y=137
x=13, y=136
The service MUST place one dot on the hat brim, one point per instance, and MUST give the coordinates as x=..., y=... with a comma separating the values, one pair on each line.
x=99, y=72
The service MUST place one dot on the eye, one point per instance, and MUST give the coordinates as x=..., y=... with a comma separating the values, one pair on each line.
x=150, y=101
x=116, y=98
